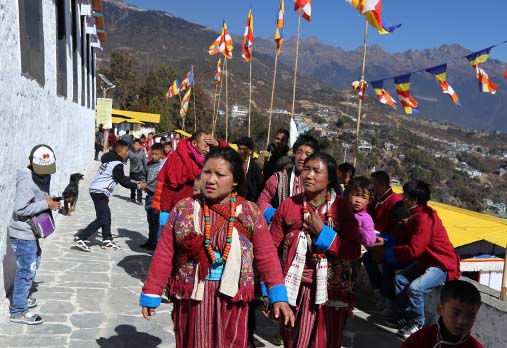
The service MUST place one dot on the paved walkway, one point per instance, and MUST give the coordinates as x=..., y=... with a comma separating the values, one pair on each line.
x=91, y=299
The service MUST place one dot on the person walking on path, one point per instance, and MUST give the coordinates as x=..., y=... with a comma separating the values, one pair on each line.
x=127, y=138
x=99, y=141
x=32, y=198
x=138, y=167
x=207, y=251
x=109, y=174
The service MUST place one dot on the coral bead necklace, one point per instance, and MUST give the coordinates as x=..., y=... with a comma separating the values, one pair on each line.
x=228, y=239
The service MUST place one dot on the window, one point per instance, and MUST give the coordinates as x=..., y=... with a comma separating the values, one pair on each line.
x=61, y=49
x=31, y=37
x=75, y=51
x=88, y=70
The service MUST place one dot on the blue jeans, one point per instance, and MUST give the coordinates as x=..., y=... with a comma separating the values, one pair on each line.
x=411, y=284
x=27, y=254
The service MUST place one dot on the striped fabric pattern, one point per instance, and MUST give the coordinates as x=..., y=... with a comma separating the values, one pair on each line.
x=188, y=81
x=173, y=90
x=184, y=103
x=410, y=105
x=218, y=72
x=304, y=8
x=440, y=73
x=248, y=38
x=372, y=10
x=222, y=44
x=279, y=27
x=475, y=60
x=382, y=95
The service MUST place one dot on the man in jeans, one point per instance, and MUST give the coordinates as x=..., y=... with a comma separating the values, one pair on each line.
x=109, y=174
x=32, y=198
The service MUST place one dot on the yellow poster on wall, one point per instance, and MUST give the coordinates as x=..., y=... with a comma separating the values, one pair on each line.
x=104, y=112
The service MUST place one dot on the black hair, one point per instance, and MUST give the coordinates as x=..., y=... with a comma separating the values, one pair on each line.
x=168, y=143
x=460, y=290
x=348, y=169
x=197, y=135
x=418, y=190
x=119, y=144
x=163, y=139
x=246, y=141
x=157, y=147
x=360, y=183
x=137, y=141
x=127, y=131
x=382, y=177
x=283, y=131
x=308, y=140
x=151, y=133
x=236, y=163
x=400, y=212
x=330, y=164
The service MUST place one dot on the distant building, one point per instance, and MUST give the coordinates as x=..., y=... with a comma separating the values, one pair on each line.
x=239, y=111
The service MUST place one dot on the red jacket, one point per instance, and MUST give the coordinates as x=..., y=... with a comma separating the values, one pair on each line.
x=429, y=337
x=381, y=211
x=429, y=243
x=182, y=170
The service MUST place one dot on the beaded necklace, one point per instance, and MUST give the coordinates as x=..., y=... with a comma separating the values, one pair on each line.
x=228, y=239
x=329, y=218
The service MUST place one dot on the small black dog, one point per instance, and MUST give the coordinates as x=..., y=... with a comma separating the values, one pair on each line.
x=71, y=193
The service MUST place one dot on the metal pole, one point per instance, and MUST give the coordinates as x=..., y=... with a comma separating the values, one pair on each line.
x=360, y=101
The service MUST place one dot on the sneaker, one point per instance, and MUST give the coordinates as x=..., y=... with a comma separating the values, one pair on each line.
x=27, y=318
x=411, y=328
x=82, y=244
x=109, y=244
x=397, y=322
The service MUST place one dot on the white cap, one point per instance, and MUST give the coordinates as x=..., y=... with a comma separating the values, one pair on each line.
x=43, y=161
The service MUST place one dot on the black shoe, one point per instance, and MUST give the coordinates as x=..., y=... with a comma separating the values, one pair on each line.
x=411, y=328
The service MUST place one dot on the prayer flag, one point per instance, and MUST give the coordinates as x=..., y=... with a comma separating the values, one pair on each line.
x=184, y=103
x=188, y=80
x=505, y=74
x=408, y=102
x=248, y=38
x=279, y=27
x=293, y=133
x=372, y=10
x=361, y=87
x=383, y=96
x=440, y=73
x=173, y=90
x=222, y=44
x=476, y=59
x=218, y=72
x=304, y=8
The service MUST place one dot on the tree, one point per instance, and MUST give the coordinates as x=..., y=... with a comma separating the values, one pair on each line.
x=123, y=72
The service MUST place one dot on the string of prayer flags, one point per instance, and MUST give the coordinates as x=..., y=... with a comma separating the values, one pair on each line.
x=410, y=105
x=440, y=73
x=382, y=95
x=476, y=59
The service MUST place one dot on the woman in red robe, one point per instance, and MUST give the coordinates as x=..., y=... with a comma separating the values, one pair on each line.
x=317, y=237
x=206, y=253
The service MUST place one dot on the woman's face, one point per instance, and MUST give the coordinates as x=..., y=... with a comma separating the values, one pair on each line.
x=217, y=181
x=409, y=202
x=315, y=176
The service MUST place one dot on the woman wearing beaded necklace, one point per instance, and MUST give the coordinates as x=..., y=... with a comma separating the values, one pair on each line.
x=207, y=251
x=317, y=237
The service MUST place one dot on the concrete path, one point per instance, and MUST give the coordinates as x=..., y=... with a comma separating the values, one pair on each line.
x=91, y=299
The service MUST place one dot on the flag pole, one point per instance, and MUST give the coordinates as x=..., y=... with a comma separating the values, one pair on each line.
x=358, y=124
x=295, y=69
x=272, y=98
x=193, y=95
x=218, y=106
x=250, y=96
x=214, y=110
x=226, y=102
x=183, y=118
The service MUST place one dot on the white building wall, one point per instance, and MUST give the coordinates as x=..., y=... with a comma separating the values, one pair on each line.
x=31, y=114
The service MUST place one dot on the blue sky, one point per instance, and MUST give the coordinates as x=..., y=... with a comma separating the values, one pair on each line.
x=425, y=24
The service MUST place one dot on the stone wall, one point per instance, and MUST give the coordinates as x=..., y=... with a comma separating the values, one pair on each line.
x=31, y=114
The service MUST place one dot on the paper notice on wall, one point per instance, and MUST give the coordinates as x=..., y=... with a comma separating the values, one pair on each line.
x=104, y=112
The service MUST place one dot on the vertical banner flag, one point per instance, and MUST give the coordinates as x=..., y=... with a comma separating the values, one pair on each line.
x=440, y=73
x=372, y=10
x=383, y=96
x=188, y=80
x=218, y=72
x=304, y=8
x=505, y=74
x=184, y=103
x=476, y=59
x=248, y=38
x=293, y=133
x=408, y=102
x=222, y=44
x=361, y=87
x=279, y=27
x=173, y=90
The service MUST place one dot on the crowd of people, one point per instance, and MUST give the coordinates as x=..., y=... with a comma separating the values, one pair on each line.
x=292, y=229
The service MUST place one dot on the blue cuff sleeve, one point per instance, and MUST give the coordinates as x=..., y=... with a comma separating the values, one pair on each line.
x=149, y=301
x=268, y=213
x=163, y=217
x=278, y=293
x=388, y=239
x=325, y=238
x=389, y=256
x=264, y=289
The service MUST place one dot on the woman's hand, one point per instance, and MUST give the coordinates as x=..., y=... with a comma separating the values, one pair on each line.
x=52, y=204
x=148, y=312
x=287, y=316
x=313, y=224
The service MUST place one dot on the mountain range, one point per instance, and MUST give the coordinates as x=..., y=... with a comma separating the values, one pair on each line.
x=156, y=37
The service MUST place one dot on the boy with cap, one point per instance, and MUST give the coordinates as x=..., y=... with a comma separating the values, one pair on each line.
x=32, y=198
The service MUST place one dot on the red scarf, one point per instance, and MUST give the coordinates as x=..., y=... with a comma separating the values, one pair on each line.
x=184, y=167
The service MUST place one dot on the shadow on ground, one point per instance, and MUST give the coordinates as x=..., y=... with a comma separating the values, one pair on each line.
x=134, y=239
x=128, y=337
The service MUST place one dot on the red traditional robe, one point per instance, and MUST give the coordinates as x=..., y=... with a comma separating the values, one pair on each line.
x=318, y=326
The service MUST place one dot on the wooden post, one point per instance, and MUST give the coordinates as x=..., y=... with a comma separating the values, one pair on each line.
x=226, y=103
x=272, y=98
x=218, y=108
x=503, y=291
x=358, y=124
x=193, y=95
x=250, y=96
x=296, y=68
x=214, y=110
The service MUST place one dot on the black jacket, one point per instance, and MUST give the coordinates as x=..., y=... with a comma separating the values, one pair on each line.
x=254, y=181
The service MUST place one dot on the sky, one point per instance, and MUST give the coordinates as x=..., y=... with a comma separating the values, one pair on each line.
x=425, y=23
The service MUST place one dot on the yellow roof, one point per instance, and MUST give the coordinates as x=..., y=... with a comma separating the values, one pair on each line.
x=139, y=116
x=466, y=226
x=117, y=120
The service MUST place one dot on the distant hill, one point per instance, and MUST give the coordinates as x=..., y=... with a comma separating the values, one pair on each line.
x=155, y=37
